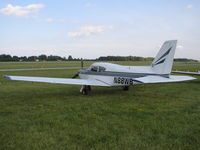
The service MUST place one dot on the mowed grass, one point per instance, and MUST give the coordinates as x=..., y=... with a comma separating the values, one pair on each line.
x=54, y=116
x=59, y=64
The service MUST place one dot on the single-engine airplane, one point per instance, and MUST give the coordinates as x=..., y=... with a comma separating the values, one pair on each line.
x=108, y=74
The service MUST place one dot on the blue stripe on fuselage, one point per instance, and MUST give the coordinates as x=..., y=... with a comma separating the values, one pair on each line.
x=121, y=74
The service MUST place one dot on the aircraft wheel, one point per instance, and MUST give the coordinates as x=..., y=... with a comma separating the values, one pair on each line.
x=89, y=88
x=84, y=92
x=126, y=88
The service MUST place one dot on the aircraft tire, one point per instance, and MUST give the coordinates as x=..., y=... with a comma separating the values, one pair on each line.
x=126, y=88
x=89, y=88
x=84, y=91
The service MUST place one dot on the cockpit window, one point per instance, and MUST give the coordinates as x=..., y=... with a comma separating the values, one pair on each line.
x=101, y=69
x=97, y=69
x=94, y=68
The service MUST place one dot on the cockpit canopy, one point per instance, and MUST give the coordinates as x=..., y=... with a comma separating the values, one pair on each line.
x=97, y=68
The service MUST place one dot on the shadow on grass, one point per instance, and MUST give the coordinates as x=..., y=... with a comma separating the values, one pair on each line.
x=194, y=82
x=96, y=91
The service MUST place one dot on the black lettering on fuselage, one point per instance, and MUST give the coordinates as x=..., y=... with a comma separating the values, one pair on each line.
x=131, y=81
x=115, y=80
x=123, y=81
x=119, y=80
x=126, y=81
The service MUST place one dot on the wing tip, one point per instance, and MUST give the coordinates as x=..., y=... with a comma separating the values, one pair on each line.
x=183, y=78
x=193, y=78
x=7, y=77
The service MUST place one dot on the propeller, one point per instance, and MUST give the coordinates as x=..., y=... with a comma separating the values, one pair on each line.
x=77, y=74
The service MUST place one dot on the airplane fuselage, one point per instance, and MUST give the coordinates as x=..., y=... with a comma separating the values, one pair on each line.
x=116, y=75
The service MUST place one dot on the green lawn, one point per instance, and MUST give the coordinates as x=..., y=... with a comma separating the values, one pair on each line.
x=48, y=64
x=53, y=116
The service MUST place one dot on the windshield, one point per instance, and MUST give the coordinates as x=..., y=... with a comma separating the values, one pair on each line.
x=101, y=69
x=94, y=68
x=97, y=69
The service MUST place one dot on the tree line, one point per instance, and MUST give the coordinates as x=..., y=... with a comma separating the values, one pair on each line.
x=138, y=58
x=5, y=58
x=185, y=60
x=124, y=58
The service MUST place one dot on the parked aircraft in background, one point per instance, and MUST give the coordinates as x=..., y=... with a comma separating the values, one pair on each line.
x=108, y=74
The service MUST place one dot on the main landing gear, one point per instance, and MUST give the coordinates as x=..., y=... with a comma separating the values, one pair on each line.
x=125, y=88
x=85, y=89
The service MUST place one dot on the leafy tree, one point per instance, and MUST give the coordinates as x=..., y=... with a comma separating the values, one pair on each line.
x=5, y=57
x=15, y=58
x=32, y=58
x=42, y=57
x=23, y=58
x=70, y=57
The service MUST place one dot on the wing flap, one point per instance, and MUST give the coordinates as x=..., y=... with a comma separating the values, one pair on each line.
x=57, y=80
x=159, y=79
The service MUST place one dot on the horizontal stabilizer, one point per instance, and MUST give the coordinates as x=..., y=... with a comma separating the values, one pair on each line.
x=57, y=80
x=159, y=79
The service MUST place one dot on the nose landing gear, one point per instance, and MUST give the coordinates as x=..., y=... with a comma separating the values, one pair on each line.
x=85, y=89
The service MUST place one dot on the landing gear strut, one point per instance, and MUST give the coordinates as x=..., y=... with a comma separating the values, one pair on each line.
x=84, y=89
x=126, y=88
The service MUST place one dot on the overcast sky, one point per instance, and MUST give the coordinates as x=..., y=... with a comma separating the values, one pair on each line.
x=93, y=28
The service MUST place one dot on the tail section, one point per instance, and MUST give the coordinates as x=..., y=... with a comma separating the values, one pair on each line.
x=162, y=64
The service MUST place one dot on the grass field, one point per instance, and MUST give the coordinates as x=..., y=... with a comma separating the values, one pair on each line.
x=53, y=116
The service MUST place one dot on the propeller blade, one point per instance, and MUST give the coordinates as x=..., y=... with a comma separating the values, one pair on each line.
x=75, y=76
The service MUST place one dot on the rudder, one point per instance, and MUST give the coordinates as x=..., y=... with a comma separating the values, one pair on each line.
x=162, y=64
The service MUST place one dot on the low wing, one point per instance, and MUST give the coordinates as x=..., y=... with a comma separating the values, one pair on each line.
x=159, y=79
x=191, y=73
x=58, y=80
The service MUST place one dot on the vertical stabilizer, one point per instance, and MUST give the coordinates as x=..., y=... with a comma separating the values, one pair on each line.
x=162, y=64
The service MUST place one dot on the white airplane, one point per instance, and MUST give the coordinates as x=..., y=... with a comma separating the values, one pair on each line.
x=108, y=74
